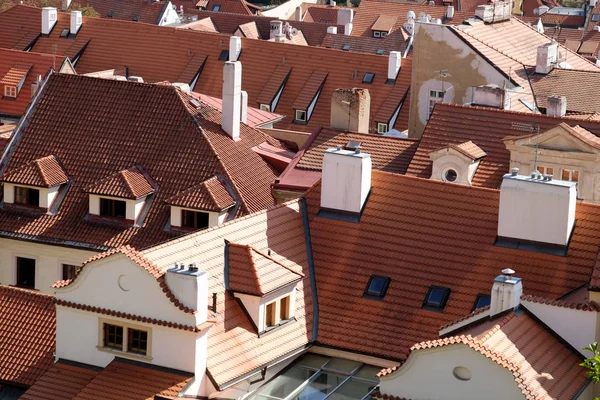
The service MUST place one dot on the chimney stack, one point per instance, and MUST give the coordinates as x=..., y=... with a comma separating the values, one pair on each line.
x=557, y=106
x=491, y=96
x=350, y=110
x=49, y=16
x=394, y=64
x=232, y=98
x=547, y=56
x=299, y=13
x=506, y=292
x=346, y=181
x=76, y=21
x=235, y=47
x=332, y=30
x=190, y=287
x=345, y=18
x=244, y=106
x=66, y=4
x=276, y=29
x=450, y=12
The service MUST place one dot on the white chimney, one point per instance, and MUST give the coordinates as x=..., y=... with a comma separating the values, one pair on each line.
x=332, y=30
x=190, y=287
x=332, y=3
x=506, y=292
x=345, y=16
x=491, y=96
x=244, y=106
x=346, y=181
x=547, y=55
x=49, y=16
x=281, y=38
x=557, y=106
x=231, y=109
x=348, y=29
x=299, y=13
x=235, y=47
x=394, y=64
x=539, y=25
x=593, y=3
x=35, y=85
x=535, y=210
x=276, y=29
x=76, y=21
x=66, y=4
x=450, y=12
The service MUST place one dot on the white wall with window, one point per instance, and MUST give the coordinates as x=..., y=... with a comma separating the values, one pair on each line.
x=271, y=310
x=116, y=207
x=189, y=218
x=30, y=196
x=449, y=165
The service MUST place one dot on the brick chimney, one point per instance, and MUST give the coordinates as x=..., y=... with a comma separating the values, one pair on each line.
x=76, y=22
x=49, y=17
x=232, y=98
x=350, y=110
x=506, y=292
x=557, y=106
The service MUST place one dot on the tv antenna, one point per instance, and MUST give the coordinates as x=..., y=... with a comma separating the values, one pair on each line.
x=531, y=128
x=443, y=74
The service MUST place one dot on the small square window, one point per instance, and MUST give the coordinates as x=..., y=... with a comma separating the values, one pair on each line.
x=377, y=286
x=376, y=34
x=68, y=271
x=10, y=91
x=482, y=300
x=216, y=8
x=368, y=78
x=224, y=56
x=436, y=298
x=27, y=196
x=265, y=107
x=382, y=128
x=380, y=51
x=301, y=115
x=383, y=34
x=26, y=272
x=346, y=47
x=137, y=341
x=113, y=336
x=270, y=316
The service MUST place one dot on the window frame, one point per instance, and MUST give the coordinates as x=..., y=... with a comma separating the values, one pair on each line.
x=124, y=349
x=376, y=34
x=64, y=272
x=270, y=315
x=18, y=259
x=285, y=311
x=112, y=345
x=300, y=119
x=195, y=216
x=368, y=77
x=265, y=107
x=386, y=284
x=571, y=172
x=379, y=125
x=432, y=307
x=10, y=91
x=544, y=169
x=435, y=96
x=28, y=196
x=112, y=207
x=130, y=341
x=479, y=297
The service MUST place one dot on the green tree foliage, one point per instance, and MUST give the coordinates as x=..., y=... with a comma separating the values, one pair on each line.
x=592, y=364
x=86, y=11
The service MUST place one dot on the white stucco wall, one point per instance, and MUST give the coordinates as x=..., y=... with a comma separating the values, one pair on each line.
x=414, y=379
x=214, y=218
x=255, y=306
x=47, y=196
x=49, y=260
x=133, y=207
x=285, y=10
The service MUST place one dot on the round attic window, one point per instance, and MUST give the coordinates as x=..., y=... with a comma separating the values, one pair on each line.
x=461, y=373
x=450, y=175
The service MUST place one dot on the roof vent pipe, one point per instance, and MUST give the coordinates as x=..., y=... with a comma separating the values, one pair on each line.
x=276, y=29
x=49, y=16
x=514, y=171
x=214, y=302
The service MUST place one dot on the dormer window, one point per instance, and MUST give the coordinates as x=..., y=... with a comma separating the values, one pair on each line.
x=382, y=128
x=194, y=219
x=118, y=337
x=436, y=298
x=27, y=196
x=113, y=208
x=10, y=91
x=456, y=163
x=14, y=79
x=301, y=115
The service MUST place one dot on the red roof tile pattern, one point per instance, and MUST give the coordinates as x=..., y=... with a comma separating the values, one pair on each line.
x=191, y=70
x=477, y=311
x=240, y=7
x=420, y=233
x=585, y=306
x=569, y=21
x=395, y=41
x=116, y=123
x=27, y=343
x=26, y=41
x=579, y=87
x=62, y=381
x=384, y=23
x=249, y=30
x=309, y=91
x=210, y=195
x=255, y=273
x=131, y=183
x=455, y=124
x=277, y=79
x=16, y=74
x=320, y=13
x=30, y=21
x=43, y=172
x=127, y=380
x=469, y=149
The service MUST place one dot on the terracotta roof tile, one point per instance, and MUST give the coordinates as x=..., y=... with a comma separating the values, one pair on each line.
x=469, y=149
x=277, y=79
x=210, y=195
x=393, y=42
x=63, y=381
x=16, y=74
x=202, y=24
x=131, y=183
x=475, y=312
x=43, y=172
x=191, y=70
x=309, y=91
x=30, y=21
x=579, y=87
x=26, y=41
x=27, y=343
x=325, y=14
x=250, y=30
x=384, y=23
x=255, y=273
x=585, y=306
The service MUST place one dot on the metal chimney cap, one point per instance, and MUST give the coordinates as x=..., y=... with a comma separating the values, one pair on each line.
x=514, y=171
x=508, y=271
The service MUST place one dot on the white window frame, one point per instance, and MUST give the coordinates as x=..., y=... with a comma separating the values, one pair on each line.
x=382, y=128
x=277, y=303
x=300, y=113
x=435, y=96
x=376, y=34
x=10, y=91
x=265, y=107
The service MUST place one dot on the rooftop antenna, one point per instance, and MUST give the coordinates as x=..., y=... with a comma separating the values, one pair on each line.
x=531, y=128
x=443, y=74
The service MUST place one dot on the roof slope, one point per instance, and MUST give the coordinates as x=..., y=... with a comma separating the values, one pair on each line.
x=129, y=183
x=63, y=381
x=27, y=343
x=579, y=87
x=115, y=123
x=43, y=172
x=210, y=195
x=420, y=233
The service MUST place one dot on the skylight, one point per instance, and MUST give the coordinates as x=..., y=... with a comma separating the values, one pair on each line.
x=368, y=78
x=136, y=18
x=380, y=51
x=595, y=17
x=224, y=56
x=346, y=47
x=65, y=32
x=377, y=286
x=482, y=300
x=436, y=298
x=216, y=8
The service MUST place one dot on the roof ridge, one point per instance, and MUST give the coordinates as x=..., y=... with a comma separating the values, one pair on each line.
x=28, y=292
x=254, y=270
x=275, y=261
x=588, y=305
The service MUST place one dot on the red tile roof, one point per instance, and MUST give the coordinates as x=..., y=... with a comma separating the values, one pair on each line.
x=255, y=273
x=63, y=381
x=469, y=149
x=384, y=23
x=579, y=87
x=27, y=343
x=272, y=86
x=396, y=41
x=43, y=172
x=240, y=7
x=320, y=13
x=210, y=195
x=309, y=91
x=585, y=306
x=121, y=131
x=131, y=183
x=16, y=74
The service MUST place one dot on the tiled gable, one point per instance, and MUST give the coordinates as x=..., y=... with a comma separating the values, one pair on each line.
x=210, y=195
x=131, y=183
x=43, y=172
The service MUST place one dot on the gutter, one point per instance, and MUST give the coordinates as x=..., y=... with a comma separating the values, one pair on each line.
x=311, y=269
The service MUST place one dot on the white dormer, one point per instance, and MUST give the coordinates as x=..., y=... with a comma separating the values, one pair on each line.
x=265, y=287
x=456, y=163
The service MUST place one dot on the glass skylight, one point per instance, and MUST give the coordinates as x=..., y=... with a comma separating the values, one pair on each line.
x=368, y=78
x=436, y=298
x=482, y=300
x=377, y=286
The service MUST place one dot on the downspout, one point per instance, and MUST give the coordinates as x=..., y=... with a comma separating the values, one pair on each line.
x=311, y=269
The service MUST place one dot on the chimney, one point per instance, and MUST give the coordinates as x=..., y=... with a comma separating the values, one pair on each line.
x=76, y=21
x=593, y=3
x=345, y=18
x=539, y=25
x=450, y=12
x=299, y=13
x=350, y=109
x=35, y=85
x=49, y=16
x=66, y=4
x=536, y=213
x=495, y=12
x=276, y=29
x=506, y=292
x=280, y=38
x=491, y=96
x=346, y=181
x=547, y=56
x=394, y=64
x=231, y=109
x=332, y=30
x=244, y=106
x=235, y=47
x=348, y=29
x=332, y=3
x=557, y=106
x=190, y=287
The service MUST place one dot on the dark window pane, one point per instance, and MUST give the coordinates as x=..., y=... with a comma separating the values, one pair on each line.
x=113, y=336
x=120, y=208
x=20, y=195
x=113, y=208
x=187, y=218
x=377, y=286
x=105, y=207
x=68, y=271
x=26, y=272
x=435, y=297
x=201, y=220
x=33, y=197
x=482, y=300
x=138, y=341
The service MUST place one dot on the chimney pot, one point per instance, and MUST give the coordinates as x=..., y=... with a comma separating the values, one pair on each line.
x=232, y=98
x=190, y=287
x=76, y=21
x=514, y=171
x=276, y=29
x=450, y=12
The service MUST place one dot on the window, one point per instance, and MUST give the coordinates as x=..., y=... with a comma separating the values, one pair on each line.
x=301, y=115
x=194, y=219
x=436, y=298
x=10, y=91
x=265, y=107
x=571, y=175
x=545, y=170
x=377, y=287
x=449, y=175
x=137, y=341
x=26, y=272
x=224, y=56
x=112, y=208
x=284, y=308
x=368, y=78
x=595, y=17
x=380, y=51
x=482, y=300
x=376, y=34
x=434, y=97
x=64, y=33
x=216, y=8
x=68, y=271
x=111, y=13
x=113, y=336
x=382, y=128
x=270, y=316
x=346, y=47
x=383, y=34
x=27, y=196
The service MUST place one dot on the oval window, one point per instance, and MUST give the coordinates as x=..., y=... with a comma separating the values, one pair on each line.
x=461, y=373
x=450, y=175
